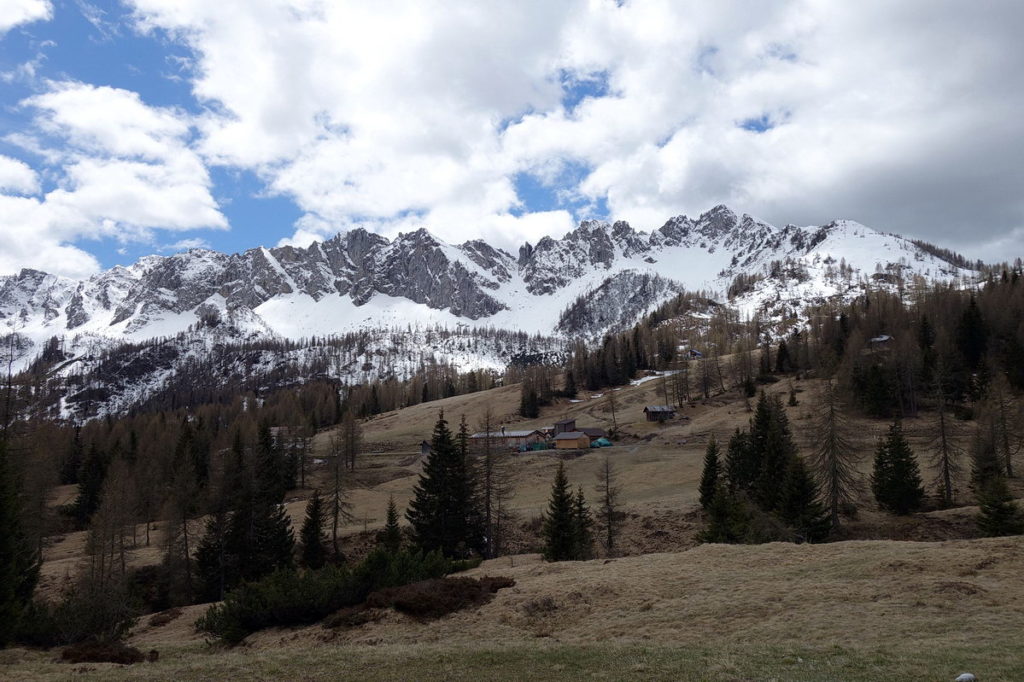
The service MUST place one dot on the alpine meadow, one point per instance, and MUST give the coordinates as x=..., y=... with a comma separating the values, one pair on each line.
x=454, y=341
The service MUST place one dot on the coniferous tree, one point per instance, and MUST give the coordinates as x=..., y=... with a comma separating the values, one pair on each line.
x=314, y=544
x=583, y=522
x=90, y=485
x=390, y=537
x=727, y=518
x=709, y=480
x=570, y=389
x=443, y=512
x=741, y=466
x=529, y=402
x=19, y=558
x=998, y=514
x=73, y=460
x=896, y=479
x=799, y=505
x=972, y=335
x=608, y=498
x=773, y=447
x=946, y=454
x=560, y=527
x=835, y=460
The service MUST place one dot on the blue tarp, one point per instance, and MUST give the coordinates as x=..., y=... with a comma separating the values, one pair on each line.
x=601, y=443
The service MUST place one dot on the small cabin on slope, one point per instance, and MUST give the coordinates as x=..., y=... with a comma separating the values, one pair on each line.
x=659, y=413
x=564, y=426
x=505, y=439
x=572, y=440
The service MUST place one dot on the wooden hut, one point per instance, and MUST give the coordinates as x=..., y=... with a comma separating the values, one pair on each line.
x=564, y=426
x=506, y=439
x=659, y=413
x=572, y=440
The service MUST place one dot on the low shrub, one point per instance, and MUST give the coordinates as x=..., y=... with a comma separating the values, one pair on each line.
x=87, y=613
x=102, y=652
x=164, y=617
x=288, y=597
x=438, y=597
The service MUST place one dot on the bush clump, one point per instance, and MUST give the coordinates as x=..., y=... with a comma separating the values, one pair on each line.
x=288, y=597
x=102, y=652
x=438, y=597
x=87, y=612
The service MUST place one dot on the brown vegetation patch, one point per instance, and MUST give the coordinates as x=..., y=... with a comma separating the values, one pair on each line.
x=430, y=599
x=164, y=617
x=351, y=617
x=102, y=652
x=956, y=587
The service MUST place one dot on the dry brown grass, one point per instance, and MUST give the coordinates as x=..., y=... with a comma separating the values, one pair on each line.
x=855, y=609
x=843, y=611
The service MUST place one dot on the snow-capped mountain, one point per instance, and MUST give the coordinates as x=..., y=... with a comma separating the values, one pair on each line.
x=596, y=278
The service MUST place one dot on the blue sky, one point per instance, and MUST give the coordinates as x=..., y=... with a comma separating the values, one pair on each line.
x=144, y=126
x=108, y=51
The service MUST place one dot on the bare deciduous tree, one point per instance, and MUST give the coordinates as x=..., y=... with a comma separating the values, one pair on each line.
x=608, y=514
x=835, y=460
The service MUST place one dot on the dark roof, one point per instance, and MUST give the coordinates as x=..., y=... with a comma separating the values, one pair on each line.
x=570, y=435
x=565, y=421
x=659, y=408
x=506, y=434
x=594, y=432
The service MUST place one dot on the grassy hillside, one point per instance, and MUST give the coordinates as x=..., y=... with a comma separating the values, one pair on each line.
x=857, y=610
x=842, y=611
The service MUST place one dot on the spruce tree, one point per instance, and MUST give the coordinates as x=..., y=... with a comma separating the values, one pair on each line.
x=799, y=507
x=709, y=478
x=570, y=389
x=560, y=527
x=390, y=538
x=19, y=560
x=773, y=449
x=741, y=468
x=443, y=512
x=896, y=479
x=529, y=402
x=90, y=485
x=728, y=519
x=314, y=543
x=998, y=514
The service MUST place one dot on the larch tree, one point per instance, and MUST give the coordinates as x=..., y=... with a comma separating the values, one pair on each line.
x=834, y=462
x=495, y=485
x=338, y=506
x=946, y=454
x=608, y=511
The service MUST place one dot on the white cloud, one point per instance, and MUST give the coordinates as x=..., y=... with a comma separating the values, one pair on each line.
x=123, y=170
x=16, y=12
x=902, y=116
x=16, y=176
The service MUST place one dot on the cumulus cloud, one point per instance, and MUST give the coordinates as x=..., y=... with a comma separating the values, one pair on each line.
x=396, y=115
x=898, y=115
x=16, y=176
x=16, y=12
x=123, y=169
